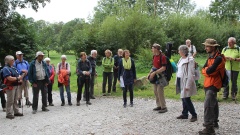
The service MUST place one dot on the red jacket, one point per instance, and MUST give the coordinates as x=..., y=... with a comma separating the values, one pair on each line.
x=63, y=77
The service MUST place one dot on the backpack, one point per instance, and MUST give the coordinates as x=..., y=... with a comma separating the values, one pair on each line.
x=227, y=47
x=225, y=79
x=2, y=85
x=60, y=65
x=16, y=63
x=191, y=49
x=105, y=59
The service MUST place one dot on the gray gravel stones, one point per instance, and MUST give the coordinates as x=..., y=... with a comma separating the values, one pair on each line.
x=106, y=116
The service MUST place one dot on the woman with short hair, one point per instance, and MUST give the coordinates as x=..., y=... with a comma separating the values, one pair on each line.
x=51, y=78
x=185, y=83
x=12, y=79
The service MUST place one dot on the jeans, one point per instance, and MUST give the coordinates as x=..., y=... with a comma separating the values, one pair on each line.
x=211, y=109
x=234, y=87
x=125, y=89
x=188, y=107
x=80, y=83
x=3, y=99
x=49, y=91
x=115, y=77
x=62, y=92
x=107, y=76
x=40, y=86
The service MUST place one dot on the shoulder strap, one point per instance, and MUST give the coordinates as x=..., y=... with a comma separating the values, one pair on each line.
x=191, y=49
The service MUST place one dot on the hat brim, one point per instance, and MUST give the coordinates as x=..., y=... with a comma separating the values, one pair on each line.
x=206, y=44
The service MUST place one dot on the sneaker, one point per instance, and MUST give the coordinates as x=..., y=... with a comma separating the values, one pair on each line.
x=78, y=103
x=182, y=117
x=18, y=114
x=34, y=111
x=45, y=109
x=4, y=110
x=70, y=103
x=104, y=94
x=89, y=103
x=157, y=109
x=224, y=97
x=163, y=110
x=10, y=117
x=207, y=131
x=51, y=104
x=131, y=104
x=63, y=103
x=216, y=125
x=193, y=119
x=125, y=105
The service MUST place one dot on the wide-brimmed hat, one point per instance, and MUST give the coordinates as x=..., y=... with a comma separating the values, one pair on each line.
x=18, y=53
x=39, y=53
x=210, y=42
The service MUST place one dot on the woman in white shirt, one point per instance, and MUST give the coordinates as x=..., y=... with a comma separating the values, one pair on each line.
x=185, y=83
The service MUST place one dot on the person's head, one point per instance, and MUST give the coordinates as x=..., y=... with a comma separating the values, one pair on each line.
x=126, y=54
x=9, y=60
x=83, y=56
x=108, y=53
x=63, y=58
x=94, y=53
x=211, y=45
x=19, y=55
x=231, y=42
x=47, y=60
x=188, y=42
x=39, y=56
x=156, y=48
x=183, y=50
x=120, y=52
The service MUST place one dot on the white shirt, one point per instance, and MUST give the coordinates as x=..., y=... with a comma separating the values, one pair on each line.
x=179, y=67
x=192, y=47
x=40, y=72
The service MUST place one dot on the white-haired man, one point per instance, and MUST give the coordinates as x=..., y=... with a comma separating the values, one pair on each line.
x=232, y=54
x=64, y=67
x=191, y=48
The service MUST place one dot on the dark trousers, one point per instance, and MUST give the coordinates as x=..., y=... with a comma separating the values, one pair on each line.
x=233, y=76
x=91, y=87
x=107, y=76
x=115, y=77
x=3, y=99
x=125, y=89
x=50, y=100
x=188, y=107
x=81, y=82
x=211, y=109
x=40, y=86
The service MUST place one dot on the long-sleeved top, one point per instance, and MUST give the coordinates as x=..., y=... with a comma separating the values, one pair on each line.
x=128, y=75
x=21, y=65
x=93, y=64
x=51, y=73
x=83, y=66
x=116, y=60
x=64, y=65
x=32, y=73
x=108, y=64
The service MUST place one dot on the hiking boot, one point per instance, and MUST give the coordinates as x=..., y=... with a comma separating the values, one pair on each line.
x=233, y=98
x=104, y=94
x=34, y=111
x=182, y=117
x=78, y=103
x=215, y=125
x=193, y=119
x=131, y=104
x=18, y=114
x=69, y=103
x=92, y=97
x=207, y=131
x=125, y=105
x=10, y=117
x=162, y=110
x=51, y=104
x=4, y=110
x=88, y=103
x=28, y=102
x=45, y=109
x=63, y=103
x=19, y=104
x=157, y=109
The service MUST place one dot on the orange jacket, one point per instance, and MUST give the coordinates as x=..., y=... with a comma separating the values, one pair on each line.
x=214, y=79
x=63, y=77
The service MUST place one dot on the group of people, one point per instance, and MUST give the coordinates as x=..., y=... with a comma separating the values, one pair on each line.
x=40, y=73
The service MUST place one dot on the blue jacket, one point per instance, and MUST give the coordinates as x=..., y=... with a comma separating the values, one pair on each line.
x=23, y=65
x=128, y=75
x=32, y=72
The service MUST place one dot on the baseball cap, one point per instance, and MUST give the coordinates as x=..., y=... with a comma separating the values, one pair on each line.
x=18, y=53
x=39, y=53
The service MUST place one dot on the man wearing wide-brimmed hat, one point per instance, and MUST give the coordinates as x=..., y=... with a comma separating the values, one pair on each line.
x=38, y=75
x=213, y=70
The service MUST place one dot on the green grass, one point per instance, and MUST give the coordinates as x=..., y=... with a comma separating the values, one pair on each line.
x=144, y=92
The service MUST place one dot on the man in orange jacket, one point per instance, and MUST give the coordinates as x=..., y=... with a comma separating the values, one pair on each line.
x=213, y=70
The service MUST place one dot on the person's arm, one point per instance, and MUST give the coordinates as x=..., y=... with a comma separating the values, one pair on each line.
x=53, y=74
x=79, y=71
x=90, y=68
x=134, y=70
x=194, y=51
x=190, y=74
x=57, y=69
x=69, y=69
x=120, y=68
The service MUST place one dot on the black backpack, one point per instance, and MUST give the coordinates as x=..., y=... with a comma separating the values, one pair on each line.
x=225, y=79
x=2, y=85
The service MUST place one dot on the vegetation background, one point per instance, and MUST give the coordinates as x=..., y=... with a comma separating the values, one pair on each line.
x=127, y=24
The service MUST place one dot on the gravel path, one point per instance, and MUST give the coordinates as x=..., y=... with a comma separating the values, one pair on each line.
x=107, y=116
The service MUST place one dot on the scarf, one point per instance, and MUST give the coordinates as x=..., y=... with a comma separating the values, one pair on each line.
x=127, y=63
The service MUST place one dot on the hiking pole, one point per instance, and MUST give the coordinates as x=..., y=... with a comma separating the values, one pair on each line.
x=22, y=105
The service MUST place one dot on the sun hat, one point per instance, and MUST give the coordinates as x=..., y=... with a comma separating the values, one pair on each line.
x=18, y=53
x=210, y=42
x=39, y=53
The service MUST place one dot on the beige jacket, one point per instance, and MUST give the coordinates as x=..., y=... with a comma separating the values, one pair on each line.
x=188, y=79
